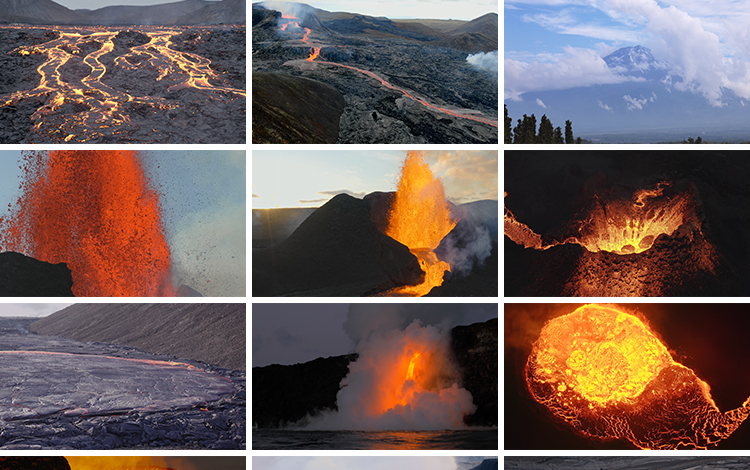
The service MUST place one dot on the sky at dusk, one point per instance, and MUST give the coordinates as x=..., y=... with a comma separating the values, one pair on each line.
x=295, y=178
x=440, y=9
x=203, y=199
x=559, y=44
x=295, y=333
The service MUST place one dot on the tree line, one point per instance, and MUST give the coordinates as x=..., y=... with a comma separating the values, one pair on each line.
x=525, y=131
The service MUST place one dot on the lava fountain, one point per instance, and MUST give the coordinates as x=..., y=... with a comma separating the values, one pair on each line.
x=402, y=380
x=608, y=376
x=97, y=212
x=420, y=218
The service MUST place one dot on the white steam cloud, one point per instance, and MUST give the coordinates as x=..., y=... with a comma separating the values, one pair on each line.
x=486, y=61
x=377, y=394
x=470, y=248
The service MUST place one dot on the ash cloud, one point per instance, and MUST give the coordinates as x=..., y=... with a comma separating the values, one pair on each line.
x=484, y=60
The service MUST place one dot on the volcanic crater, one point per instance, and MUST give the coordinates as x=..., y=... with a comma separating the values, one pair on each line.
x=625, y=224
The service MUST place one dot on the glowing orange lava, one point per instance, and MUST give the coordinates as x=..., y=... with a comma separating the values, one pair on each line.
x=621, y=226
x=315, y=53
x=82, y=111
x=96, y=212
x=420, y=218
x=603, y=372
x=128, y=463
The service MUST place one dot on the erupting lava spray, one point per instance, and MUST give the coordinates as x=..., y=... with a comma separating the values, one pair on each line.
x=96, y=212
x=402, y=380
x=605, y=373
x=420, y=218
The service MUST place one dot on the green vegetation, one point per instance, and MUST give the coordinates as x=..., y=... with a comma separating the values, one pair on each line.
x=525, y=131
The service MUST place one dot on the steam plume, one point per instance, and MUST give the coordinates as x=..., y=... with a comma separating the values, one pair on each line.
x=486, y=61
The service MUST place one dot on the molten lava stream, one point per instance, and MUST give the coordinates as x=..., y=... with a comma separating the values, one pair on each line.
x=604, y=373
x=420, y=218
x=96, y=212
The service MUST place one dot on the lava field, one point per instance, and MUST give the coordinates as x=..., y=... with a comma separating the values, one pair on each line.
x=65, y=394
x=145, y=84
x=341, y=81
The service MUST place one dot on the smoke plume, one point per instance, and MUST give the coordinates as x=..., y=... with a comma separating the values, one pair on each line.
x=404, y=377
x=486, y=61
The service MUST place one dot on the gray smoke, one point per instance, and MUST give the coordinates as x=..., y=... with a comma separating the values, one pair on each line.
x=486, y=61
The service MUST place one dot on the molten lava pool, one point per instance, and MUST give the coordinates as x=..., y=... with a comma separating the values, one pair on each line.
x=601, y=373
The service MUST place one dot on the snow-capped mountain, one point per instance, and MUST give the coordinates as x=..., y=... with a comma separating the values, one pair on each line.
x=646, y=105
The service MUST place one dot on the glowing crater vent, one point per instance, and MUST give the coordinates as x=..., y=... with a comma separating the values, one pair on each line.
x=619, y=225
x=632, y=226
x=603, y=372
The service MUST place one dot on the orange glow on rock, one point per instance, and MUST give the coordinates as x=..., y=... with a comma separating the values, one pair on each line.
x=604, y=372
x=97, y=212
x=128, y=463
x=420, y=218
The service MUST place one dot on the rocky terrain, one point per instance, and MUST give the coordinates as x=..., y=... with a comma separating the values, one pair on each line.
x=110, y=85
x=106, y=396
x=392, y=76
x=217, y=330
x=286, y=394
x=47, y=12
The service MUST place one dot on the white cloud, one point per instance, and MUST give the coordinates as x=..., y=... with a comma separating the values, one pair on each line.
x=638, y=103
x=603, y=106
x=541, y=103
x=577, y=67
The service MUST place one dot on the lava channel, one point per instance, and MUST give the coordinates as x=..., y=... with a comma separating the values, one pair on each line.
x=605, y=374
x=37, y=383
x=287, y=20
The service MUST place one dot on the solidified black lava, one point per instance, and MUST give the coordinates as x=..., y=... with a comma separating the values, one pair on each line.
x=34, y=463
x=283, y=395
x=23, y=276
x=417, y=62
x=217, y=424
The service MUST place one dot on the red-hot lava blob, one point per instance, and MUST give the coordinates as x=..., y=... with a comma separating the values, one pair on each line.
x=97, y=212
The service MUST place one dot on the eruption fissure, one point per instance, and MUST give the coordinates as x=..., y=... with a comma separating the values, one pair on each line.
x=420, y=218
x=603, y=372
x=315, y=52
x=97, y=212
x=99, y=108
x=620, y=226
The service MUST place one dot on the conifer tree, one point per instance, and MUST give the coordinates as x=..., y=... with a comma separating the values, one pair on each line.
x=558, y=136
x=508, y=125
x=568, y=132
x=546, y=131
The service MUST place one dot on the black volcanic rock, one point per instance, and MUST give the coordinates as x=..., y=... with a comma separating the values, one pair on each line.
x=294, y=110
x=487, y=464
x=379, y=205
x=336, y=251
x=287, y=394
x=475, y=349
x=34, y=463
x=23, y=276
x=284, y=395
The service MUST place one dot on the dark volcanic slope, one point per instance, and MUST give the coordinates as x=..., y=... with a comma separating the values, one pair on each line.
x=294, y=110
x=34, y=463
x=212, y=333
x=35, y=12
x=23, y=276
x=225, y=12
x=338, y=251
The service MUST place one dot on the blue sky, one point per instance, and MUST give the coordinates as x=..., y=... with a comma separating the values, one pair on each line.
x=203, y=199
x=559, y=44
x=294, y=178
